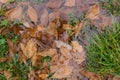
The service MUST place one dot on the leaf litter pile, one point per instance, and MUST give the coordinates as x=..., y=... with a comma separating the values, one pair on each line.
x=36, y=51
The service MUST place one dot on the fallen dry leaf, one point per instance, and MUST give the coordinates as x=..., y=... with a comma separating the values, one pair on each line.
x=52, y=29
x=3, y=59
x=43, y=76
x=78, y=52
x=63, y=72
x=70, y=3
x=90, y=75
x=77, y=47
x=32, y=14
x=11, y=47
x=67, y=27
x=66, y=53
x=79, y=27
x=93, y=12
x=34, y=59
x=29, y=49
x=8, y=75
x=59, y=44
x=49, y=52
x=4, y=1
x=14, y=14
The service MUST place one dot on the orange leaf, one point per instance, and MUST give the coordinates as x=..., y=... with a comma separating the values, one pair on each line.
x=93, y=12
x=32, y=14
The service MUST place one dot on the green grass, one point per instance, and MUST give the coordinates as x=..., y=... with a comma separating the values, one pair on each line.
x=112, y=6
x=103, y=54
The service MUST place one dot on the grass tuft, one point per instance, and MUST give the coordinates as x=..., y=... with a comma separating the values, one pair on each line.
x=104, y=51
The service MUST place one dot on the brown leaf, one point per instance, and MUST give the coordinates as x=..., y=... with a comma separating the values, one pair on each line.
x=32, y=14
x=70, y=3
x=14, y=14
x=79, y=27
x=67, y=27
x=93, y=12
x=8, y=75
x=90, y=75
x=66, y=53
x=29, y=49
x=63, y=72
x=59, y=44
x=3, y=59
x=77, y=47
x=11, y=47
x=43, y=76
x=52, y=29
x=4, y=1
x=44, y=17
x=34, y=59
x=49, y=52
x=78, y=52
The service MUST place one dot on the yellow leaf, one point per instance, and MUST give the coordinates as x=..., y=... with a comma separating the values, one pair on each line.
x=93, y=12
x=32, y=14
